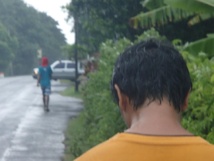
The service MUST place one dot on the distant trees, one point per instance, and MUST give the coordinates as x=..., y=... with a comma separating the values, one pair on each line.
x=23, y=31
x=8, y=45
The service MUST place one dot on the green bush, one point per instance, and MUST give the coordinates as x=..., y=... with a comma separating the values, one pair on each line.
x=100, y=118
x=199, y=117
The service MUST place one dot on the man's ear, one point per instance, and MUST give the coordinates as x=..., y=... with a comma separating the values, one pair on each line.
x=186, y=101
x=122, y=98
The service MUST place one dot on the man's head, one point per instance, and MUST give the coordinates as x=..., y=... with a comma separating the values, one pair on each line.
x=151, y=70
x=44, y=61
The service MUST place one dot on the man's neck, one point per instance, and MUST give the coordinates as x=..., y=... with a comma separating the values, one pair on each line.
x=157, y=119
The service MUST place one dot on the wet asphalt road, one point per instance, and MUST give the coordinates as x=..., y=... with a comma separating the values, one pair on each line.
x=27, y=133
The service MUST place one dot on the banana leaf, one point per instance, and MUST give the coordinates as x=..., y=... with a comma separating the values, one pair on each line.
x=159, y=17
x=205, y=45
x=198, y=6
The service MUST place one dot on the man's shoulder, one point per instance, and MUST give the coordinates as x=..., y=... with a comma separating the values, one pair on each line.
x=39, y=68
x=49, y=67
x=114, y=149
x=103, y=149
x=43, y=68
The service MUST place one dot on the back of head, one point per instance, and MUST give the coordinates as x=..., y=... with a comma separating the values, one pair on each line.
x=152, y=70
x=44, y=61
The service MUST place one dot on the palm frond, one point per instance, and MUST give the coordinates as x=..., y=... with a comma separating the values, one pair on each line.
x=154, y=4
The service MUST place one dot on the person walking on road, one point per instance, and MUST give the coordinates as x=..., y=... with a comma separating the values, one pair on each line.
x=151, y=85
x=44, y=80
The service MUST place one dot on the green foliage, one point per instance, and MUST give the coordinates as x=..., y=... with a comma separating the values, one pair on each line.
x=152, y=4
x=199, y=117
x=190, y=12
x=198, y=6
x=70, y=91
x=8, y=45
x=97, y=21
x=151, y=33
x=159, y=17
x=208, y=2
x=69, y=51
x=202, y=45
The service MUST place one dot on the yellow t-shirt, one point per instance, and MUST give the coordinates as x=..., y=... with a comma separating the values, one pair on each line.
x=134, y=147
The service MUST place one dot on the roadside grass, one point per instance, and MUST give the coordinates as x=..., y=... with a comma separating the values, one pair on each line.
x=72, y=124
x=68, y=142
x=70, y=91
x=67, y=157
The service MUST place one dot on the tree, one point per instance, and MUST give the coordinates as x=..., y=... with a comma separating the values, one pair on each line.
x=8, y=45
x=31, y=30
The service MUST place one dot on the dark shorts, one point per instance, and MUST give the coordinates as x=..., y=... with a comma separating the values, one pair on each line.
x=46, y=90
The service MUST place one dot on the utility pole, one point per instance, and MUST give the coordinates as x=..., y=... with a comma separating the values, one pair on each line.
x=11, y=68
x=76, y=53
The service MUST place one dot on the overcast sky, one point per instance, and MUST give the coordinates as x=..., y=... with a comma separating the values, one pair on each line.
x=53, y=9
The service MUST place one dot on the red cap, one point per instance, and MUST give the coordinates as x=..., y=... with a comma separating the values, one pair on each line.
x=44, y=61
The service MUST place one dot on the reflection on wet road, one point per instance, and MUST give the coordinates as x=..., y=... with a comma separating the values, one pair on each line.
x=27, y=133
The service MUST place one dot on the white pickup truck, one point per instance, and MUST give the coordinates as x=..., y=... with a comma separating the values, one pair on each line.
x=63, y=69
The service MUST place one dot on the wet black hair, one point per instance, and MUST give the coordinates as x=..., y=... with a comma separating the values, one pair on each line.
x=152, y=70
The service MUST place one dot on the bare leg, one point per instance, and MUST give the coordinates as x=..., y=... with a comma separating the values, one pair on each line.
x=47, y=102
x=44, y=100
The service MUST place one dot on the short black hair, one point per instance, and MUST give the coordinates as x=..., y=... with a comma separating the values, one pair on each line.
x=152, y=69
